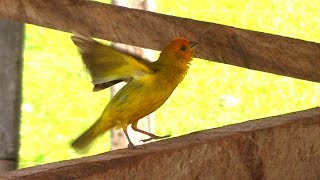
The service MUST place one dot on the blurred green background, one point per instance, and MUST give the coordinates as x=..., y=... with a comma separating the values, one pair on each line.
x=58, y=103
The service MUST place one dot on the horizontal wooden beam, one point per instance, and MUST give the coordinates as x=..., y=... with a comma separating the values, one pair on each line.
x=285, y=146
x=225, y=44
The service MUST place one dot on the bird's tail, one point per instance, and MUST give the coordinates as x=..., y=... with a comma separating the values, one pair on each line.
x=98, y=128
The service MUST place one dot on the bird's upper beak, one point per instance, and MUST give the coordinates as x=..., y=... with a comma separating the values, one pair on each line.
x=193, y=44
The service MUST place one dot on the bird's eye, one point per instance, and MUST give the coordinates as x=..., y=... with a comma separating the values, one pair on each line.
x=183, y=48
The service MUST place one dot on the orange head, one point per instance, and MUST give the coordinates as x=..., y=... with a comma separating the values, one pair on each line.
x=178, y=51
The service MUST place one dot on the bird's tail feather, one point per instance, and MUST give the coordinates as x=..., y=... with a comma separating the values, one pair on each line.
x=82, y=143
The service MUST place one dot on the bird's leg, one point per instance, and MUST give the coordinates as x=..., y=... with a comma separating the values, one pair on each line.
x=130, y=145
x=152, y=136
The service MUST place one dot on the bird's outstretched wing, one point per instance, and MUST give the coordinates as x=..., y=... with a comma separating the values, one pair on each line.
x=108, y=66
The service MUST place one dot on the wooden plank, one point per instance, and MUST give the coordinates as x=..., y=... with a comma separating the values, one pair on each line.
x=244, y=48
x=11, y=43
x=280, y=147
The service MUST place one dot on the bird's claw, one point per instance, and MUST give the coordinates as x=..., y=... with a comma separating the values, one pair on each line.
x=155, y=137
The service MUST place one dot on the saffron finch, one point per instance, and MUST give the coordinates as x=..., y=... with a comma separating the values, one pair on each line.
x=148, y=86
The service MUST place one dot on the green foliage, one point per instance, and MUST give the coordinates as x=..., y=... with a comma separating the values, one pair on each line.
x=58, y=104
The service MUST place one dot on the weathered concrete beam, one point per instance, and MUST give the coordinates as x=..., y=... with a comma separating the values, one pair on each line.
x=280, y=147
x=244, y=48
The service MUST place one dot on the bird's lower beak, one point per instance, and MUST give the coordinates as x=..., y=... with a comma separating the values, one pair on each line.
x=193, y=44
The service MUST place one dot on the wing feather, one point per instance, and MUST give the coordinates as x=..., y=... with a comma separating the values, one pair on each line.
x=108, y=66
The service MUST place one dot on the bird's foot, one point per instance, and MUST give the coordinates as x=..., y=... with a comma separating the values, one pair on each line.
x=155, y=137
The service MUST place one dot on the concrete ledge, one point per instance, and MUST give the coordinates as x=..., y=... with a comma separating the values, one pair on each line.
x=281, y=147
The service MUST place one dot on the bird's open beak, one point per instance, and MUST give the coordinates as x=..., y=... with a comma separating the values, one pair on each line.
x=193, y=44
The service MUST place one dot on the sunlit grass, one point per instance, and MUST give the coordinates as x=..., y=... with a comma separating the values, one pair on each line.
x=58, y=103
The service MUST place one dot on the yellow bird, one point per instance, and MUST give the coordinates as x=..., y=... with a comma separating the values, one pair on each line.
x=148, y=86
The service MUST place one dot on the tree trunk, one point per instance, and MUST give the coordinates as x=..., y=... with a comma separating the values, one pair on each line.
x=118, y=139
x=11, y=49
